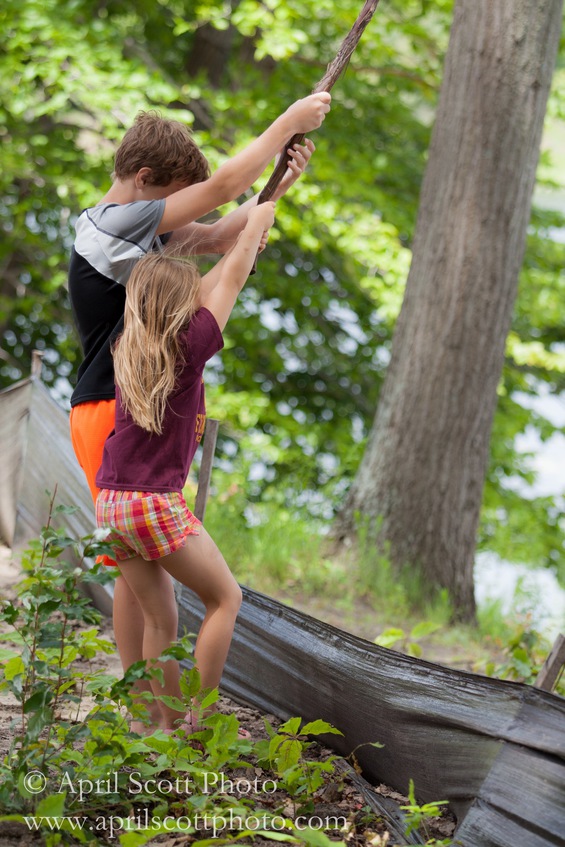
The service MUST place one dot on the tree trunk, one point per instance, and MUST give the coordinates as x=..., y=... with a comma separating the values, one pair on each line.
x=210, y=53
x=421, y=479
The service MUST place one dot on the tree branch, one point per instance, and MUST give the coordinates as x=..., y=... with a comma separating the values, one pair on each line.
x=333, y=72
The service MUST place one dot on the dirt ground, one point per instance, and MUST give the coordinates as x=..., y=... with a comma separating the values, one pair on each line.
x=345, y=795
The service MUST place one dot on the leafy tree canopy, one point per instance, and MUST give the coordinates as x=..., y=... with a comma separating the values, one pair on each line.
x=306, y=350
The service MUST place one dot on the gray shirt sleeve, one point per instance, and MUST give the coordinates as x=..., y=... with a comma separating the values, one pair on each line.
x=112, y=237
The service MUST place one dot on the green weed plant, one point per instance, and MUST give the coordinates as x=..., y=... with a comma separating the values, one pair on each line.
x=418, y=817
x=76, y=774
x=522, y=650
x=286, y=753
x=408, y=642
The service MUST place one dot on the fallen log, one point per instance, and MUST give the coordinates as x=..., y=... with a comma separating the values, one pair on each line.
x=494, y=749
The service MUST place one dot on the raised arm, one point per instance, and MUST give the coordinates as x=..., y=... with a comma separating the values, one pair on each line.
x=221, y=286
x=238, y=174
x=218, y=237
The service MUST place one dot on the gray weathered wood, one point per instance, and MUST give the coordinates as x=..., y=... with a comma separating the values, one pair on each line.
x=36, y=363
x=206, y=464
x=495, y=749
x=552, y=667
x=14, y=413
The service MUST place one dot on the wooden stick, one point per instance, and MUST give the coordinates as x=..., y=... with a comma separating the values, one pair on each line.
x=548, y=677
x=204, y=477
x=36, y=363
x=333, y=72
x=205, y=474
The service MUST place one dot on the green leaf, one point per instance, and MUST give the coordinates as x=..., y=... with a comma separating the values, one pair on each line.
x=14, y=667
x=33, y=780
x=209, y=700
x=269, y=727
x=319, y=727
x=173, y=703
x=424, y=628
x=291, y=726
x=190, y=684
x=53, y=805
x=9, y=613
x=389, y=637
x=6, y=654
x=284, y=753
x=38, y=700
x=314, y=837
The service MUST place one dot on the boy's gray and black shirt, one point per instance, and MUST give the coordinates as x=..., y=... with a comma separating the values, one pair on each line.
x=110, y=238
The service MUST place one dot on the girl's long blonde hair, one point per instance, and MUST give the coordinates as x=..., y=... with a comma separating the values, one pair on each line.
x=161, y=297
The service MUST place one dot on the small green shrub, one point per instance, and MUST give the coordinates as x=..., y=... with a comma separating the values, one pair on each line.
x=285, y=754
x=523, y=650
x=418, y=817
x=408, y=642
x=74, y=772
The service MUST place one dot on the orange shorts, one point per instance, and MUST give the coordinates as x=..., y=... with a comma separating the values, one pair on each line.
x=91, y=424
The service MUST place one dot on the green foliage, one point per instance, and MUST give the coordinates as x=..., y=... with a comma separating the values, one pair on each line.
x=284, y=753
x=271, y=547
x=408, y=641
x=521, y=651
x=40, y=673
x=419, y=816
x=76, y=774
x=306, y=351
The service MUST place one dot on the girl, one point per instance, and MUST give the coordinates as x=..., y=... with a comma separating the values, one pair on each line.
x=173, y=324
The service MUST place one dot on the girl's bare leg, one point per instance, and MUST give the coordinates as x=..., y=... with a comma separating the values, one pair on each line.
x=199, y=566
x=150, y=585
x=129, y=632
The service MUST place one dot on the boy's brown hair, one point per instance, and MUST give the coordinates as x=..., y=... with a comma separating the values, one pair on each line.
x=165, y=146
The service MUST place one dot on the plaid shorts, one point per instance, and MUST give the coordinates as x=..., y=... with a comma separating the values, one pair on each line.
x=144, y=524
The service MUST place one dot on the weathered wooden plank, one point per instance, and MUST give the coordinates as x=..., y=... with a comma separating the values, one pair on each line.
x=494, y=749
x=48, y=463
x=521, y=803
x=443, y=728
x=14, y=411
x=553, y=666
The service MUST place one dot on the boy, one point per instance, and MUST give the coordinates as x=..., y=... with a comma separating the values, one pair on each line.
x=161, y=187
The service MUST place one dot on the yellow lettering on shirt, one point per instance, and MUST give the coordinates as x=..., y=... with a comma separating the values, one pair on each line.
x=200, y=424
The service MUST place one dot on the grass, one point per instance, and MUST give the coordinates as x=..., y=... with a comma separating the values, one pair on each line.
x=285, y=556
x=72, y=771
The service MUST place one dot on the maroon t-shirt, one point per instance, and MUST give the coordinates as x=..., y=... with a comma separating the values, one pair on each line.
x=136, y=460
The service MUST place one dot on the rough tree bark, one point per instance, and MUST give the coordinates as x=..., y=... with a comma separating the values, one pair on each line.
x=210, y=52
x=421, y=479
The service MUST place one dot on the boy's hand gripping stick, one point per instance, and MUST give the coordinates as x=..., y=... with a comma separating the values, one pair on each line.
x=333, y=72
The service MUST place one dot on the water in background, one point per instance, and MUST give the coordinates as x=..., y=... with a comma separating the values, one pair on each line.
x=520, y=590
